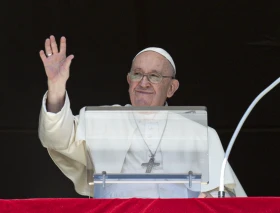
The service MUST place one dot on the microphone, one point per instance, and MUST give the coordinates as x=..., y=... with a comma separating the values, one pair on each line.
x=221, y=192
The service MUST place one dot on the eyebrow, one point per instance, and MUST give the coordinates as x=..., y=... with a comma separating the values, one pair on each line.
x=142, y=70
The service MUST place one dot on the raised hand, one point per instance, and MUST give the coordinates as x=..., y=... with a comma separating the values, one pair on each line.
x=57, y=67
x=55, y=61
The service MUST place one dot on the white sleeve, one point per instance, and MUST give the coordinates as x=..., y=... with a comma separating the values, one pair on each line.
x=57, y=132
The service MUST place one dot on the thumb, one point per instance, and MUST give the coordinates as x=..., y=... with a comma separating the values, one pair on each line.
x=68, y=61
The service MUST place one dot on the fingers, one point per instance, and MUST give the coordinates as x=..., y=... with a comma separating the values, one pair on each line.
x=205, y=195
x=48, y=49
x=202, y=195
x=42, y=55
x=53, y=44
x=63, y=45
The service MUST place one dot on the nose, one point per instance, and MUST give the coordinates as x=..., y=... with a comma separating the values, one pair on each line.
x=145, y=82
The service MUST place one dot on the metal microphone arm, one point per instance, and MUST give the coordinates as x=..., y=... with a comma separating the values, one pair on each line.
x=221, y=192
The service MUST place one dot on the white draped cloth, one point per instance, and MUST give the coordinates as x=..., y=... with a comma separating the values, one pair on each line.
x=64, y=135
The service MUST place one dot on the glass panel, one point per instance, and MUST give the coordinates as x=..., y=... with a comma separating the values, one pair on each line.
x=155, y=143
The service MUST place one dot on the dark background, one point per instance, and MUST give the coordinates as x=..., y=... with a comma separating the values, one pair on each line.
x=225, y=52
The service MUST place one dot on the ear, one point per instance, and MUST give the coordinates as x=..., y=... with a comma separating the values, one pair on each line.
x=174, y=85
x=127, y=78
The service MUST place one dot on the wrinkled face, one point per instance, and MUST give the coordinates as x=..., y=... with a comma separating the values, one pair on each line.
x=145, y=93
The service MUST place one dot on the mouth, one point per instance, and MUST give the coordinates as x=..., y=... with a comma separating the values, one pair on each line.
x=144, y=92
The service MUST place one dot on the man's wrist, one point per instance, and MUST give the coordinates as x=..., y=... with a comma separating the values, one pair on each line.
x=57, y=89
x=55, y=99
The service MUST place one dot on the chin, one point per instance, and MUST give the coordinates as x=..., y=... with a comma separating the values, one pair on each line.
x=142, y=103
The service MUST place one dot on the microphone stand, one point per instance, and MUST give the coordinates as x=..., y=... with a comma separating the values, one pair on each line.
x=221, y=192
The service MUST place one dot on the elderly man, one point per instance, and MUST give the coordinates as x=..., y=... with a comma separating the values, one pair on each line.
x=151, y=81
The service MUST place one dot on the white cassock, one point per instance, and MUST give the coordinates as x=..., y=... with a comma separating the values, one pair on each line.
x=64, y=136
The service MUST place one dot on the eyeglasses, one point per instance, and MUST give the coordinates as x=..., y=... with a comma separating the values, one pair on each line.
x=154, y=78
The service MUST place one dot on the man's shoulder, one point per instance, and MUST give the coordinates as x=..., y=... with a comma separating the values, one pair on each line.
x=83, y=110
x=186, y=120
x=114, y=105
x=195, y=125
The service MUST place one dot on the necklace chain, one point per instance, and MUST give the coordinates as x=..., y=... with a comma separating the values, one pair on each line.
x=152, y=154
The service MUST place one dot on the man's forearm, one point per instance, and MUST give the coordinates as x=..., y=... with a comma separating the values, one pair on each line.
x=56, y=98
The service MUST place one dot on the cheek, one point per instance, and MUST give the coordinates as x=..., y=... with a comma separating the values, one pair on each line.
x=131, y=87
x=161, y=90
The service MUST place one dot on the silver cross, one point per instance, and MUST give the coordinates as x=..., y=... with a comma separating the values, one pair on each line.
x=150, y=164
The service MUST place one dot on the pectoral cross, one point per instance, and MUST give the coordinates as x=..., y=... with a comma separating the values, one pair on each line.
x=150, y=164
